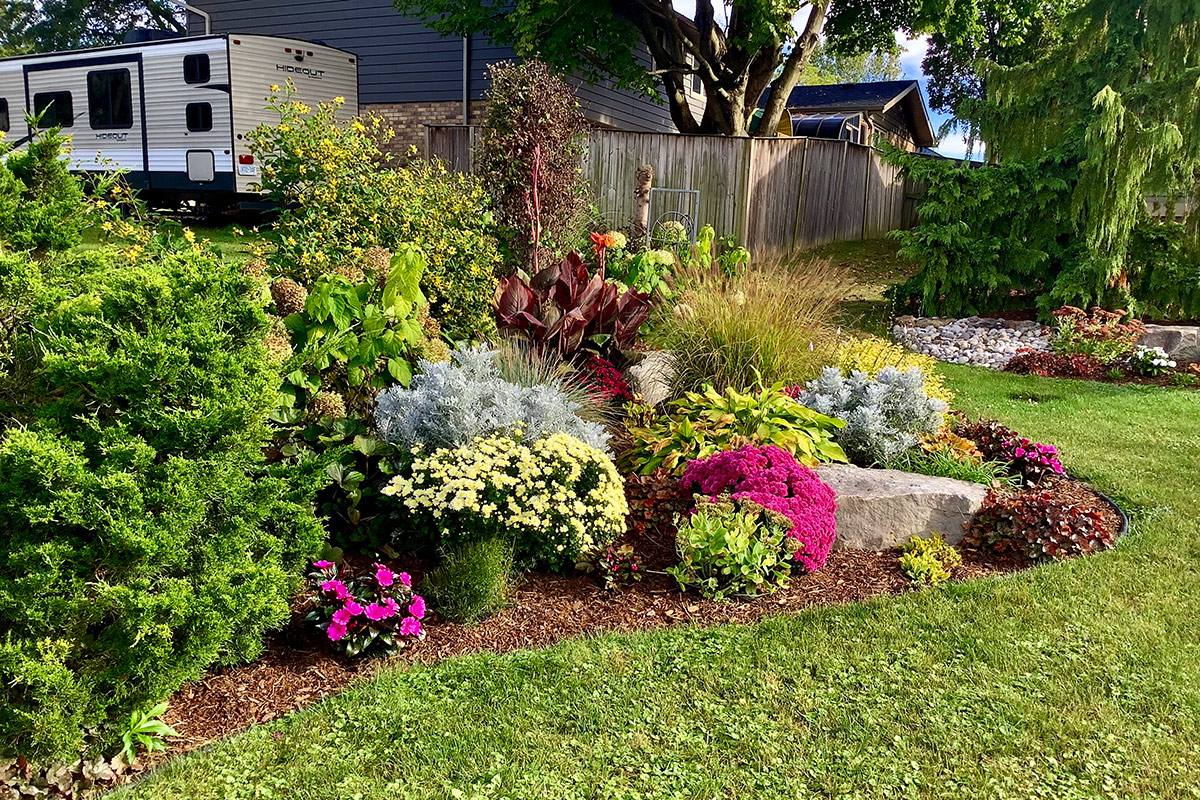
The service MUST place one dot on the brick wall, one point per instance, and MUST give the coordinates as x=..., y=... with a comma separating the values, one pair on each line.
x=409, y=119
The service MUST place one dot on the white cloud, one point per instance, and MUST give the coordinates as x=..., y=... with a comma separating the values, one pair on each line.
x=913, y=54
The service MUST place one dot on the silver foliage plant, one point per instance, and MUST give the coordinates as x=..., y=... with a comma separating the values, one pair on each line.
x=884, y=417
x=451, y=403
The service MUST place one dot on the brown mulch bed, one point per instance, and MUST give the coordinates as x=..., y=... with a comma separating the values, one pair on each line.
x=298, y=667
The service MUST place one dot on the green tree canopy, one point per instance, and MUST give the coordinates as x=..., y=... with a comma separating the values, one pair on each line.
x=42, y=26
x=738, y=54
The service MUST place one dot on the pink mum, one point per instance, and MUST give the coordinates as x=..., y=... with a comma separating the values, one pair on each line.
x=771, y=477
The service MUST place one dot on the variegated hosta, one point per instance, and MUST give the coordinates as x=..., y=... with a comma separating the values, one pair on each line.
x=701, y=423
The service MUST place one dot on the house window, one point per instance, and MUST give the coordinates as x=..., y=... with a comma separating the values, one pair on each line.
x=195, y=68
x=3, y=115
x=110, y=99
x=199, y=116
x=697, y=85
x=53, y=109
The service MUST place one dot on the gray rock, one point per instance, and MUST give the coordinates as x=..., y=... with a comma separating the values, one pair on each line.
x=882, y=508
x=1172, y=338
x=651, y=377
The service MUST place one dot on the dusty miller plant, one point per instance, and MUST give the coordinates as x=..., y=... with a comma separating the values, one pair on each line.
x=885, y=417
x=452, y=403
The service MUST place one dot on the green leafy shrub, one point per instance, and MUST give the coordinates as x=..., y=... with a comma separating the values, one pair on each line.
x=647, y=272
x=41, y=203
x=773, y=325
x=1151, y=361
x=733, y=547
x=701, y=424
x=142, y=538
x=472, y=581
x=341, y=197
x=350, y=339
x=728, y=257
x=927, y=562
x=558, y=497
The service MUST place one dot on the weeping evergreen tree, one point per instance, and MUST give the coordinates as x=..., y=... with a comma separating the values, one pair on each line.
x=1112, y=115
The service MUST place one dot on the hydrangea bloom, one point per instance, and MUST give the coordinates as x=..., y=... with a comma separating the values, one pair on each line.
x=771, y=477
x=452, y=403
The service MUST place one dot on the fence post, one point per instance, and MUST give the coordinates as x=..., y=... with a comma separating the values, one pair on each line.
x=800, y=194
x=862, y=231
x=741, y=220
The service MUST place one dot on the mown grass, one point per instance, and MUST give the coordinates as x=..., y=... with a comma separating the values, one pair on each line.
x=234, y=242
x=1073, y=680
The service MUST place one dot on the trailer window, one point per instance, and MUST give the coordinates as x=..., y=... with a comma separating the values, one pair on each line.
x=195, y=68
x=3, y=115
x=110, y=99
x=53, y=109
x=199, y=116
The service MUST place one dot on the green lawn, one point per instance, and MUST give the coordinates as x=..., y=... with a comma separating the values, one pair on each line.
x=1075, y=680
x=231, y=244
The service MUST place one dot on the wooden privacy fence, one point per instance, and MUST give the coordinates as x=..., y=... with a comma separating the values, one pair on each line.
x=775, y=195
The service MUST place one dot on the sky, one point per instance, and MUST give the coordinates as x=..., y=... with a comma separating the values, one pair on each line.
x=953, y=145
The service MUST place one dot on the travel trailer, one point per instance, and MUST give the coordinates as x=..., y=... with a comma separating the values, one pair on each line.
x=174, y=113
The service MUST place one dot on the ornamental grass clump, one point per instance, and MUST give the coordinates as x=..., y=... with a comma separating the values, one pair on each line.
x=885, y=416
x=772, y=478
x=558, y=498
x=773, y=325
x=452, y=403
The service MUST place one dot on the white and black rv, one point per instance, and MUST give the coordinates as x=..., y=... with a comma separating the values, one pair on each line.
x=174, y=113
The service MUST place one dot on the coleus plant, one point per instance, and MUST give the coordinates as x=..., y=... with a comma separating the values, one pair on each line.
x=563, y=309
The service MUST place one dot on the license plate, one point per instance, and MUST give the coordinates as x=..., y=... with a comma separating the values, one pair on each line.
x=247, y=169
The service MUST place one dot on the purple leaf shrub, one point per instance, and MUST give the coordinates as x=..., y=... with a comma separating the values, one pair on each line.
x=771, y=477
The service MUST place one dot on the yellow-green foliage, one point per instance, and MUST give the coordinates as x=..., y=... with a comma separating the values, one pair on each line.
x=343, y=196
x=870, y=354
x=927, y=562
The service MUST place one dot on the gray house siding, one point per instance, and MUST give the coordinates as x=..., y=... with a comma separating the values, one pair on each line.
x=403, y=61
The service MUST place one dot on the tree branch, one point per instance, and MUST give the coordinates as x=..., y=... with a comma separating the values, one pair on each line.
x=781, y=87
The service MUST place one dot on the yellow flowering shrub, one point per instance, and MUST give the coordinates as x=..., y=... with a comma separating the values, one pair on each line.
x=870, y=354
x=342, y=195
x=557, y=498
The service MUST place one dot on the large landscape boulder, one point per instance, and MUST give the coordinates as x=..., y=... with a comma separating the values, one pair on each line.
x=651, y=376
x=1175, y=339
x=882, y=508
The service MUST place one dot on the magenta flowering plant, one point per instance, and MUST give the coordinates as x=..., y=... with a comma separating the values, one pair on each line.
x=615, y=567
x=1033, y=461
x=377, y=610
x=771, y=477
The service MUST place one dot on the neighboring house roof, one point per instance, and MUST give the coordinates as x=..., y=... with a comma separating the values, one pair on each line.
x=879, y=96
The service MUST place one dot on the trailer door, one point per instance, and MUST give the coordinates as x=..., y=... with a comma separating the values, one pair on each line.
x=99, y=101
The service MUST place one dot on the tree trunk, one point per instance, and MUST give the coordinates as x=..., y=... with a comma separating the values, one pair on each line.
x=782, y=86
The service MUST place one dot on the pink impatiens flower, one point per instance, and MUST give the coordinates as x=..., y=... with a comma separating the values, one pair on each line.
x=383, y=575
x=410, y=626
x=338, y=589
x=336, y=632
x=376, y=612
x=322, y=564
x=405, y=578
x=342, y=617
x=417, y=607
x=393, y=608
x=352, y=608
